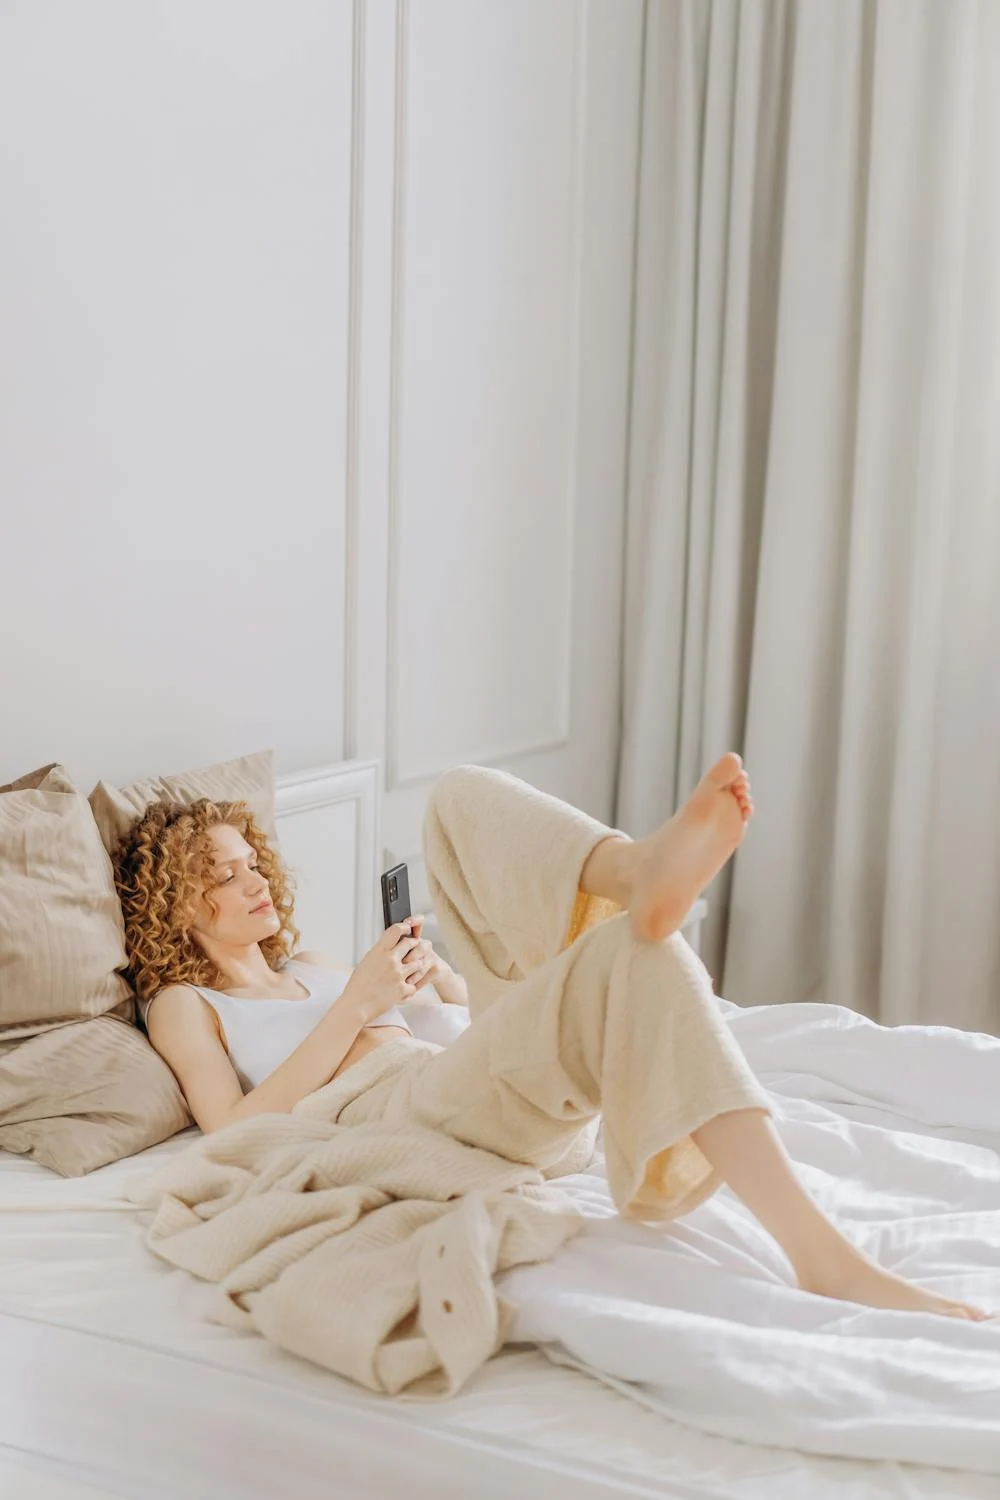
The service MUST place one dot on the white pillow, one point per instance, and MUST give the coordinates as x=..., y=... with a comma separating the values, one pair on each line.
x=433, y=1021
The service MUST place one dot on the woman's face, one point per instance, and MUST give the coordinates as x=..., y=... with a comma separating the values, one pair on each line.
x=243, y=910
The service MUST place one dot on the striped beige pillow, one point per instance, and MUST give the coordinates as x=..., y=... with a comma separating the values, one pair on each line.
x=61, y=932
x=86, y=1094
x=248, y=779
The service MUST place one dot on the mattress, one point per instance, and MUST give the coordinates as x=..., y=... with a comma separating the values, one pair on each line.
x=113, y=1383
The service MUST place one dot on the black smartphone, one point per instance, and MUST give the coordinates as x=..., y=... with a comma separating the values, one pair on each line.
x=396, y=895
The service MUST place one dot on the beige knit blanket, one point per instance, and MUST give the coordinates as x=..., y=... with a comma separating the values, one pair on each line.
x=369, y=1249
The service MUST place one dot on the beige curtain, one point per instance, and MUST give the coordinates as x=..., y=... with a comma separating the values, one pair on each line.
x=813, y=539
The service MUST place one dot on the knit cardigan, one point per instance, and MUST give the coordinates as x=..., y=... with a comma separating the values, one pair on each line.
x=369, y=1249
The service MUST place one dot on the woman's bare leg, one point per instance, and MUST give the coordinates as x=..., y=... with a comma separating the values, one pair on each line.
x=747, y=1152
x=657, y=879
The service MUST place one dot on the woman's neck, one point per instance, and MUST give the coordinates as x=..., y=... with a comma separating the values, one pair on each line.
x=242, y=968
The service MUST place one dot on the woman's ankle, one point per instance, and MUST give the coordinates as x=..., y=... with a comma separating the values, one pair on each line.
x=607, y=870
x=825, y=1260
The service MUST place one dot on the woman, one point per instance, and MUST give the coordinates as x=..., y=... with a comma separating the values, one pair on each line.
x=584, y=998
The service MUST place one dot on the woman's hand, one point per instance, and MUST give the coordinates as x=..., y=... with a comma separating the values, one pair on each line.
x=432, y=967
x=387, y=974
x=449, y=985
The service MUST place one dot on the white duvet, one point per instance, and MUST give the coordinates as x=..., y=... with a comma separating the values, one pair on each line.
x=896, y=1132
x=110, y=1362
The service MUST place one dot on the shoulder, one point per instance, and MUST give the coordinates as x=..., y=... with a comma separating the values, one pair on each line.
x=321, y=961
x=179, y=1009
x=174, y=998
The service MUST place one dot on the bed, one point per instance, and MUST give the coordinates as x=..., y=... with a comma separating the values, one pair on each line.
x=114, y=1382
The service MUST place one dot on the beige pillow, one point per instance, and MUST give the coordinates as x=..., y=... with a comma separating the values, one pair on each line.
x=248, y=779
x=61, y=932
x=85, y=1095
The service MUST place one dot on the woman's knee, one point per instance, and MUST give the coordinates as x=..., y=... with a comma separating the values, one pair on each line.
x=671, y=964
x=454, y=787
x=615, y=933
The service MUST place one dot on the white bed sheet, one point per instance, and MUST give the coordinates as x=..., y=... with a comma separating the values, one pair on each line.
x=112, y=1383
x=897, y=1134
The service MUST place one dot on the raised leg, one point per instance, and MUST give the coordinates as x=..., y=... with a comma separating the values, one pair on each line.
x=516, y=875
x=504, y=861
x=620, y=1019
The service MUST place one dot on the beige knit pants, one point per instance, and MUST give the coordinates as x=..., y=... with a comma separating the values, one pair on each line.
x=572, y=1015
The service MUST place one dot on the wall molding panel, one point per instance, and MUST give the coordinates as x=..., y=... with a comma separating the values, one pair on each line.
x=355, y=283
x=567, y=75
x=313, y=837
x=405, y=771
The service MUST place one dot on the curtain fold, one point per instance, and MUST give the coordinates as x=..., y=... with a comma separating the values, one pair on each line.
x=813, y=534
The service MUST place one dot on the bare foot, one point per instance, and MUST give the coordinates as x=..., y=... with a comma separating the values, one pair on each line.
x=673, y=865
x=855, y=1278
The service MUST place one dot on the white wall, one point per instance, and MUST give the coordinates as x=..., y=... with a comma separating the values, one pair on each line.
x=173, y=296
x=313, y=385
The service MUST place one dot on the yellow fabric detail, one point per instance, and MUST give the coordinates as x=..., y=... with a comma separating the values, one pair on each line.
x=587, y=912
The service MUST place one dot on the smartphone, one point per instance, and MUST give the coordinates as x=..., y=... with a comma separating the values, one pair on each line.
x=396, y=895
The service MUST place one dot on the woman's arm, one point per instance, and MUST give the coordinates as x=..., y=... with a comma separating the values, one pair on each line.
x=451, y=986
x=183, y=1028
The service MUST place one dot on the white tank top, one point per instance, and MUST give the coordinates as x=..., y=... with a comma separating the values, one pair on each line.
x=261, y=1034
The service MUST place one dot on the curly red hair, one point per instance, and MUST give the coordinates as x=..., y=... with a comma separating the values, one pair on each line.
x=163, y=866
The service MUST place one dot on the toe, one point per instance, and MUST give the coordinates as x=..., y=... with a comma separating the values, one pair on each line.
x=726, y=770
x=964, y=1310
